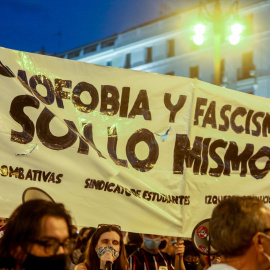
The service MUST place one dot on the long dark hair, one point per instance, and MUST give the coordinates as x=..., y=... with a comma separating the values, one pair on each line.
x=80, y=240
x=92, y=261
x=25, y=224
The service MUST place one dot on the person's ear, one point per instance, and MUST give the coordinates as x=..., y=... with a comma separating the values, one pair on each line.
x=258, y=242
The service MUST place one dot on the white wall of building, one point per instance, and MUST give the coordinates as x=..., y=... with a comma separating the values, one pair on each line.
x=129, y=49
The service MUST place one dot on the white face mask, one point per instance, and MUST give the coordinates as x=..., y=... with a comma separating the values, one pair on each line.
x=266, y=255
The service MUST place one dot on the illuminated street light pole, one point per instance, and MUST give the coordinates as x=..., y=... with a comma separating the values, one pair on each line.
x=218, y=20
x=218, y=26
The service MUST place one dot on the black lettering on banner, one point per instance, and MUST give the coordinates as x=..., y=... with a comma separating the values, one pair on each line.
x=254, y=170
x=247, y=125
x=136, y=192
x=59, y=93
x=47, y=138
x=182, y=152
x=112, y=100
x=29, y=175
x=111, y=146
x=210, y=116
x=32, y=175
x=14, y=172
x=88, y=137
x=231, y=156
x=174, y=108
x=36, y=175
x=216, y=172
x=215, y=199
x=205, y=161
x=198, y=111
x=146, y=195
x=17, y=113
x=42, y=80
x=124, y=102
x=141, y=100
x=6, y=71
x=76, y=100
x=255, y=117
x=239, y=111
x=23, y=80
x=142, y=135
x=266, y=125
x=225, y=118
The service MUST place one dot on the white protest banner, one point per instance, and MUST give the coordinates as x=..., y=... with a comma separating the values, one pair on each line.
x=152, y=153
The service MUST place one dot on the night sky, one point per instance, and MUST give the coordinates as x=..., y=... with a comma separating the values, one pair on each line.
x=61, y=25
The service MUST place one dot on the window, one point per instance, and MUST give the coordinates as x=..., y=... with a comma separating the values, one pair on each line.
x=148, y=55
x=171, y=49
x=108, y=43
x=109, y=63
x=90, y=49
x=194, y=72
x=74, y=54
x=245, y=71
x=128, y=61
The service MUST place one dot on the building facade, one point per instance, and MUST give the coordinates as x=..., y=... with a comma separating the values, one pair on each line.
x=165, y=46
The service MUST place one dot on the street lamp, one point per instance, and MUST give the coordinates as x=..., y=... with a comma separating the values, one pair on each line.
x=218, y=21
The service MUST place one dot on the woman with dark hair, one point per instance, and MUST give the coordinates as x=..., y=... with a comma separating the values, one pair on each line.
x=106, y=245
x=83, y=237
x=37, y=236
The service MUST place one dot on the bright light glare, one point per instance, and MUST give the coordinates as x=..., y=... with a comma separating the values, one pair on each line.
x=234, y=39
x=199, y=29
x=237, y=28
x=198, y=39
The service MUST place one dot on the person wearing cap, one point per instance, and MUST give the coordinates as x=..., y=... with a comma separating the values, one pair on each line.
x=37, y=236
x=240, y=231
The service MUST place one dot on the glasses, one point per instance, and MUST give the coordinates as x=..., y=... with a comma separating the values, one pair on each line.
x=109, y=225
x=52, y=245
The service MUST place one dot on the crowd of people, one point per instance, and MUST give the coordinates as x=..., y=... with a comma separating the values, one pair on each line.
x=39, y=235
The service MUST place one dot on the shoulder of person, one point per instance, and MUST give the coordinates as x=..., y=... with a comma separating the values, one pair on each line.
x=81, y=266
x=166, y=254
x=137, y=255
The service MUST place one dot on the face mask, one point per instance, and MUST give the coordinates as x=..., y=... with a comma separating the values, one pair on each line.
x=266, y=255
x=191, y=265
x=152, y=243
x=102, y=250
x=55, y=262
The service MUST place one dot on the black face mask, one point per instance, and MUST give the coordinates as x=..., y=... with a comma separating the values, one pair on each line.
x=56, y=262
x=191, y=265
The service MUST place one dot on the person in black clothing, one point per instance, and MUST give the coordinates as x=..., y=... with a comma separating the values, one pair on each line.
x=37, y=236
x=149, y=256
x=134, y=242
x=191, y=256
